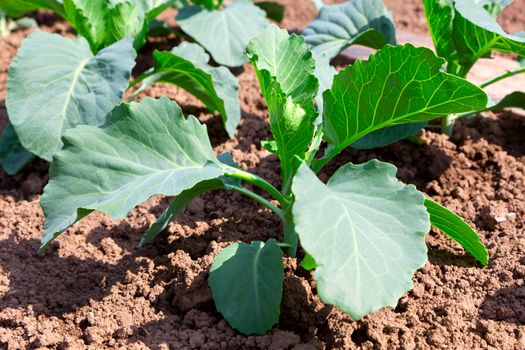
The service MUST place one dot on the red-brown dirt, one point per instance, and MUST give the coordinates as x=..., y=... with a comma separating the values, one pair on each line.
x=95, y=289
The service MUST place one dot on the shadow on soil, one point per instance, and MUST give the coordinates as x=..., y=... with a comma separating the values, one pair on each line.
x=507, y=130
x=53, y=285
x=505, y=305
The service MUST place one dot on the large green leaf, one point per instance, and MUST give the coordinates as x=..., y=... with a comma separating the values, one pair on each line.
x=143, y=149
x=56, y=83
x=464, y=32
x=286, y=59
x=247, y=285
x=13, y=156
x=366, y=232
x=224, y=33
x=454, y=227
x=103, y=22
x=360, y=22
x=397, y=85
x=285, y=66
x=17, y=8
x=187, y=66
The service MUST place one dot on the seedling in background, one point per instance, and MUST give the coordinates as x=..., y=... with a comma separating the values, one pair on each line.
x=463, y=31
x=364, y=231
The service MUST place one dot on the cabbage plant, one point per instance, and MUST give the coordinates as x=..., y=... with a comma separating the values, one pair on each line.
x=363, y=231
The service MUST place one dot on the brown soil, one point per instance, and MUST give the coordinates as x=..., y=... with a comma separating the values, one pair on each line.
x=94, y=288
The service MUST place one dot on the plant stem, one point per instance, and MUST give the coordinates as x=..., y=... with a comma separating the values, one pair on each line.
x=263, y=184
x=290, y=236
x=278, y=211
x=447, y=124
x=501, y=77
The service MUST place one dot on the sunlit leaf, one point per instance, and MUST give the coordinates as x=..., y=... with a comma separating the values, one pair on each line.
x=247, y=285
x=454, y=227
x=223, y=33
x=56, y=83
x=187, y=66
x=366, y=232
x=143, y=150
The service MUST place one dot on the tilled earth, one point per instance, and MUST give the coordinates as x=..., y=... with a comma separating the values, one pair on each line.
x=95, y=289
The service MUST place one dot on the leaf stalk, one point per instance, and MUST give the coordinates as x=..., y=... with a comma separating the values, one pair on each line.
x=505, y=75
x=290, y=235
x=263, y=184
x=278, y=211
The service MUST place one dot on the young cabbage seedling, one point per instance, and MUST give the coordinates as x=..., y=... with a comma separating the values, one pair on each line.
x=364, y=231
x=465, y=31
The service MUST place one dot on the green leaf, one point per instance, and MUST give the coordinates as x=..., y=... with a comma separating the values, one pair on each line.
x=357, y=22
x=274, y=11
x=13, y=156
x=477, y=34
x=387, y=136
x=223, y=33
x=440, y=16
x=515, y=99
x=464, y=32
x=286, y=59
x=104, y=22
x=185, y=197
x=187, y=66
x=18, y=8
x=143, y=150
x=454, y=227
x=270, y=146
x=284, y=65
x=56, y=83
x=247, y=285
x=308, y=263
x=397, y=85
x=153, y=8
x=366, y=232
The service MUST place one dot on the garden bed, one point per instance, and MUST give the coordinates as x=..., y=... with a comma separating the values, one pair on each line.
x=95, y=288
